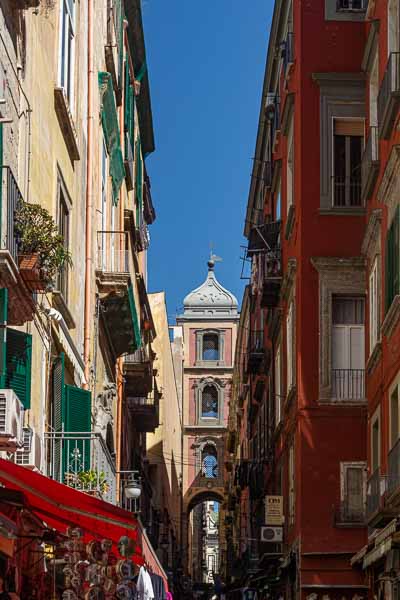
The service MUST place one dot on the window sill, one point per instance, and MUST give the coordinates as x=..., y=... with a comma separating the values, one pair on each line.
x=343, y=402
x=60, y=304
x=336, y=211
x=290, y=222
x=374, y=358
x=66, y=122
x=392, y=317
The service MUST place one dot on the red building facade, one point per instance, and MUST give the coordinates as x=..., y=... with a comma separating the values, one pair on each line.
x=300, y=403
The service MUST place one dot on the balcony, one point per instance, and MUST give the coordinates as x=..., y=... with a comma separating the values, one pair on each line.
x=21, y=305
x=138, y=371
x=352, y=5
x=82, y=461
x=348, y=384
x=347, y=516
x=389, y=96
x=145, y=410
x=272, y=272
x=370, y=164
x=114, y=45
x=118, y=312
x=255, y=355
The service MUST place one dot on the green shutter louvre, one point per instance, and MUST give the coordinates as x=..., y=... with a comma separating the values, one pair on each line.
x=78, y=407
x=135, y=320
x=109, y=120
x=3, y=334
x=19, y=364
x=58, y=409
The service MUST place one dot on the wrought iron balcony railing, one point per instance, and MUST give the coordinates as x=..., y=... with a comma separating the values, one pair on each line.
x=347, y=191
x=81, y=460
x=348, y=384
x=11, y=197
x=370, y=164
x=351, y=5
x=113, y=251
x=347, y=515
x=389, y=96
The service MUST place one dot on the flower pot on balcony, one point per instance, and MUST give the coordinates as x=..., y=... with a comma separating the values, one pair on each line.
x=31, y=272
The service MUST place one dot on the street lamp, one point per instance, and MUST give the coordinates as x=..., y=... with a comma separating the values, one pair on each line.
x=132, y=488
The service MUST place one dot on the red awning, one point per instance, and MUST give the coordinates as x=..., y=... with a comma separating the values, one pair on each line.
x=60, y=507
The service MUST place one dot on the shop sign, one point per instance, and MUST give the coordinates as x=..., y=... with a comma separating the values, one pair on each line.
x=274, y=510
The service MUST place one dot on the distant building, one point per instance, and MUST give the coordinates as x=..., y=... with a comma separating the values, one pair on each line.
x=209, y=325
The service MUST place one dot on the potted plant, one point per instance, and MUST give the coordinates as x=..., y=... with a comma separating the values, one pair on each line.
x=93, y=482
x=41, y=250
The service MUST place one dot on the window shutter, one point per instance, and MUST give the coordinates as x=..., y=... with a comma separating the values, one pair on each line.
x=58, y=411
x=340, y=353
x=357, y=360
x=19, y=364
x=354, y=490
x=139, y=183
x=78, y=418
x=349, y=127
x=137, y=342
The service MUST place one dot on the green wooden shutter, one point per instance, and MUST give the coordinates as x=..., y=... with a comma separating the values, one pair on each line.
x=58, y=410
x=78, y=411
x=129, y=117
x=139, y=184
x=135, y=319
x=19, y=364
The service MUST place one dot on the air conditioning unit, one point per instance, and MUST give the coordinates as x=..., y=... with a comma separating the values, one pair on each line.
x=30, y=454
x=11, y=419
x=274, y=535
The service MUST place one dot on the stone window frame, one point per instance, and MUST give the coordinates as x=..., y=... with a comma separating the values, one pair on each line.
x=342, y=96
x=199, y=387
x=376, y=418
x=372, y=250
x=200, y=333
x=336, y=276
x=332, y=13
x=200, y=445
x=288, y=293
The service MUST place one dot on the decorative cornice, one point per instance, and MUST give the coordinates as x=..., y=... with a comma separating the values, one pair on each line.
x=288, y=278
x=374, y=358
x=390, y=176
x=372, y=232
x=333, y=263
x=392, y=318
x=370, y=46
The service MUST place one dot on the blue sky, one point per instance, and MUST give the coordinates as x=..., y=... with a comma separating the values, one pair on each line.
x=206, y=62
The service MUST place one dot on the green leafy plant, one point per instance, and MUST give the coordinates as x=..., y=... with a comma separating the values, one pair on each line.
x=37, y=233
x=93, y=480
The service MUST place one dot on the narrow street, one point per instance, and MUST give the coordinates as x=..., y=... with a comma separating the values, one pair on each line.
x=199, y=300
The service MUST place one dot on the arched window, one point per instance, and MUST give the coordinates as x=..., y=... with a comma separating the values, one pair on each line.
x=210, y=346
x=209, y=461
x=209, y=402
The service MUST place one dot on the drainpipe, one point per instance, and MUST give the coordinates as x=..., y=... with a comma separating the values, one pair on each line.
x=122, y=247
x=89, y=200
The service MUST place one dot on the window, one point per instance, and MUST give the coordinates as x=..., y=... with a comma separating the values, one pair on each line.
x=352, y=4
x=392, y=257
x=291, y=485
x=394, y=416
x=373, y=306
x=348, y=139
x=211, y=346
x=209, y=402
x=209, y=467
x=278, y=201
x=375, y=443
x=67, y=49
x=352, y=493
x=373, y=92
x=278, y=390
x=63, y=230
x=348, y=347
x=290, y=169
x=290, y=347
x=393, y=26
